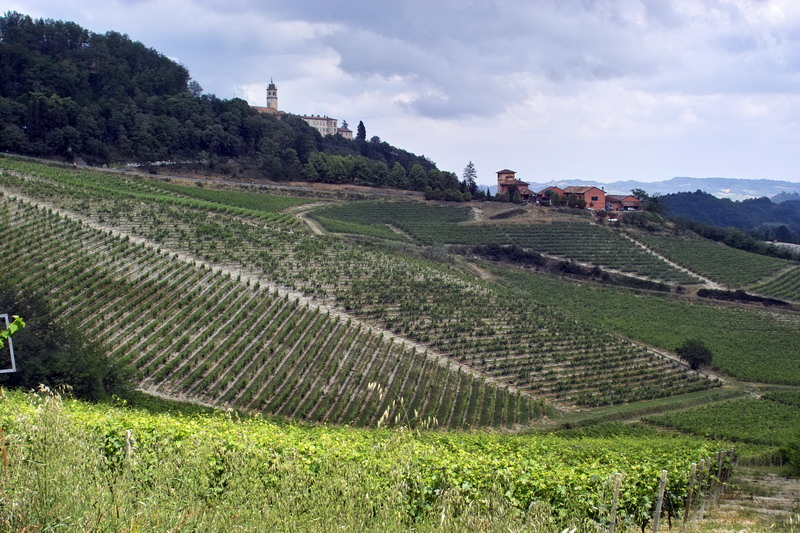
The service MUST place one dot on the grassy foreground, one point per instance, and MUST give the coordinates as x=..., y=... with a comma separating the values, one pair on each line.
x=67, y=466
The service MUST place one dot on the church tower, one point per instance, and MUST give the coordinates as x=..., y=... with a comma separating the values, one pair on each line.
x=272, y=96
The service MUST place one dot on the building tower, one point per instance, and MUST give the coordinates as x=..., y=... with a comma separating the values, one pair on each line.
x=272, y=95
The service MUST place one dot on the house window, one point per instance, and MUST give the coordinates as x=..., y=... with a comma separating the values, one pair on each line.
x=594, y=198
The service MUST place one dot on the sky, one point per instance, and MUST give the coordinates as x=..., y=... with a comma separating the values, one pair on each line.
x=600, y=90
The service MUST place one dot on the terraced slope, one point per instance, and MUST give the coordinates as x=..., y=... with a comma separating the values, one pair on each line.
x=482, y=329
x=430, y=224
x=786, y=285
x=226, y=341
x=729, y=266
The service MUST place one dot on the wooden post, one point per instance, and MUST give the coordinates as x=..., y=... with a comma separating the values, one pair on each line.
x=720, y=483
x=661, y=488
x=689, y=497
x=698, y=491
x=706, y=486
x=128, y=446
x=617, y=483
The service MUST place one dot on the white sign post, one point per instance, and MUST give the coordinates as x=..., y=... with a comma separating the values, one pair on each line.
x=4, y=324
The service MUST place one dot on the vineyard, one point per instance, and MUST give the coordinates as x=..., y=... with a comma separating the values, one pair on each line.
x=769, y=420
x=270, y=337
x=230, y=342
x=750, y=344
x=728, y=266
x=786, y=285
x=579, y=241
x=70, y=463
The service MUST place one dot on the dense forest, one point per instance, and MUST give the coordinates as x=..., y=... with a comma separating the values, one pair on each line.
x=67, y=93
x=760, y=217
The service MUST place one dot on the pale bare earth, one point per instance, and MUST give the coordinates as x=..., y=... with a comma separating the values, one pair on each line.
x=756, y=502
x=301, y=211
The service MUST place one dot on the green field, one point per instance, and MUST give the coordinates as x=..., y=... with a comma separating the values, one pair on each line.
x=750, y=344
x=748, y=420
x=67, y=465
x=253, y=199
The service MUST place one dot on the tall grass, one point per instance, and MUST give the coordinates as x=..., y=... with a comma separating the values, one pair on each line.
x=60, y=476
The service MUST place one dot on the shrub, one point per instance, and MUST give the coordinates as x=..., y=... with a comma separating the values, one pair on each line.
x=696, y=353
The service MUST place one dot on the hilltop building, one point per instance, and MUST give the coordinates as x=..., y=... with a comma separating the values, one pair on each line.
x=595, y=198
x=322, y=123
x=507, y=181
x=622, y=203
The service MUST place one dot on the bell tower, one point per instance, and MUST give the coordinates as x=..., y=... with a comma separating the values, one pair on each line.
x=272, y=95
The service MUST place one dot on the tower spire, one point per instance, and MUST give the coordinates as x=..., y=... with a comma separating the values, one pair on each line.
x=272, y=95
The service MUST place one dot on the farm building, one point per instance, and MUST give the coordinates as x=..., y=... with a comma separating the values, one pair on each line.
x=544, y=195
x=595, y=198
x=507, y=182
x=622, y=203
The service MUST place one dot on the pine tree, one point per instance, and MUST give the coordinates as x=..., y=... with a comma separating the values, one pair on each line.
x=469, y=176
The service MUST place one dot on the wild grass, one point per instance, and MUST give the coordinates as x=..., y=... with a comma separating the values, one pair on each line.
x=67, y=467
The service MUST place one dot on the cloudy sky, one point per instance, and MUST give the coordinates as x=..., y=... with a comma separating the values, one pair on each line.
x=554, y=89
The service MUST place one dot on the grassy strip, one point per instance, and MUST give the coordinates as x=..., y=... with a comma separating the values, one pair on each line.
x=578, y=419
x=255, y=201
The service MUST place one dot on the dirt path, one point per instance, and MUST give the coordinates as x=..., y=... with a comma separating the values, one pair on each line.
x=301, y=212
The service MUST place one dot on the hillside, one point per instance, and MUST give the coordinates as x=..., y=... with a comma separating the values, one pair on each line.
x=415, y=323
x=383, y=315
x=760, y=216
x=72, y=95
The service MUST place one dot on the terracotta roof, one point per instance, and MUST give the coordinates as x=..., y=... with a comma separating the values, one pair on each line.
x=555, y=188
x=579, y=190
x=506, y=171
x=270, y=110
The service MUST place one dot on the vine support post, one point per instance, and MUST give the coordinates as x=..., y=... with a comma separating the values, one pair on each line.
x=687, y=509
x=719, y=482
x=660, y=501
x=617, y=483
x=128, y=446
x=706, y=486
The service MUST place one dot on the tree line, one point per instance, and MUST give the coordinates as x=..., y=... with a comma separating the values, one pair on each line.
x=68, y=93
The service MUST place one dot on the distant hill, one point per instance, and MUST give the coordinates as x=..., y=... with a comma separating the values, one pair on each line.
x=760, y=216
x=67, y=93
x=734, y=189
x=786, y=197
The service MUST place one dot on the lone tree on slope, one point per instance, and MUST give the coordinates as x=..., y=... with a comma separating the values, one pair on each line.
x=470, y=176
x=696, y=353
x=361, y=131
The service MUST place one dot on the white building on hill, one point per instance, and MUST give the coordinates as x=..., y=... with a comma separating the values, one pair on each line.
x=322, y=123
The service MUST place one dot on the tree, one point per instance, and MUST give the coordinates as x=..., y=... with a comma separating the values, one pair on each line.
x=650, y=202
x=470, y=176
x=418, y=177
x=361, y=131
x=195, y=89
x=696, y=353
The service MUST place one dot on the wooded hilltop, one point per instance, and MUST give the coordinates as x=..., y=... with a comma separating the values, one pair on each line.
x=68, y=93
